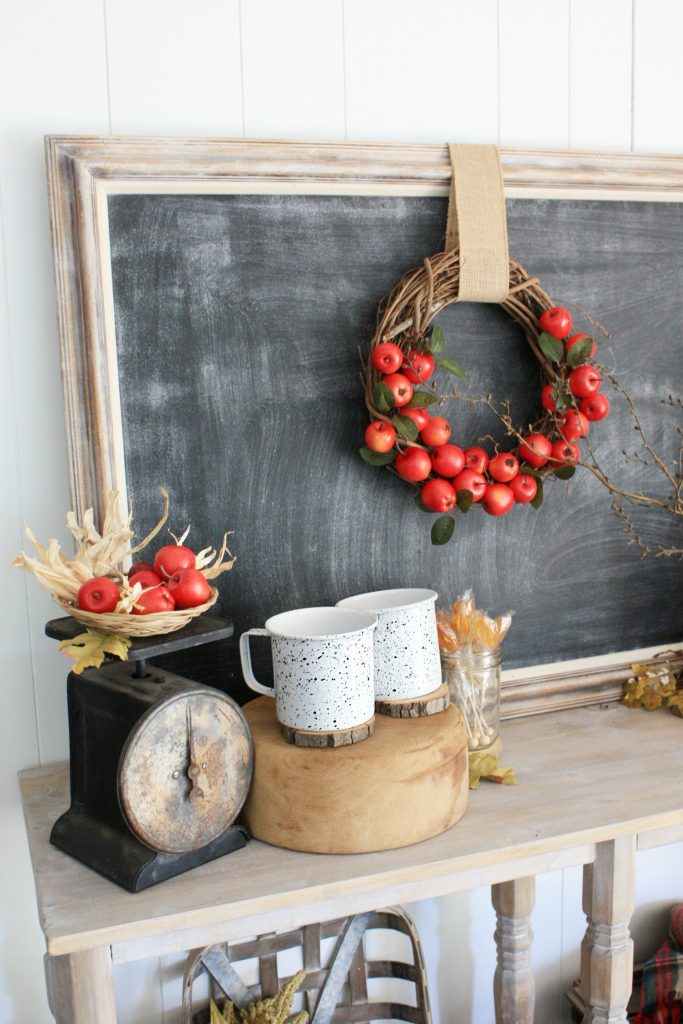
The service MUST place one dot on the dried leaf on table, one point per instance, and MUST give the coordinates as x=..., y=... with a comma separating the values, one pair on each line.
x=649, y=686
x=90, y=648
x=676, y=703
x=487, y=766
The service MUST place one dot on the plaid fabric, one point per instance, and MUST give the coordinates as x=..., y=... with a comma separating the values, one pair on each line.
x=661, y=997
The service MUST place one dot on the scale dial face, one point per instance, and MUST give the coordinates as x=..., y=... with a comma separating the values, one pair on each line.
x=185, y=770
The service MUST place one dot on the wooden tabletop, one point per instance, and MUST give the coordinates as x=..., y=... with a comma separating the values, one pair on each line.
x=584, y=776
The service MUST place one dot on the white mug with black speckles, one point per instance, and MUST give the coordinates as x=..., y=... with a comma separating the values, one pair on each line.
x=407, y=662
x=323, y=667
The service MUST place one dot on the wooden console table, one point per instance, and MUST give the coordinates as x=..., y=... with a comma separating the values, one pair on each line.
x=595, y=785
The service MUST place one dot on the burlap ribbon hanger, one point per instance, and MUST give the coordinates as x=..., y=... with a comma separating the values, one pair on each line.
x=477, y=224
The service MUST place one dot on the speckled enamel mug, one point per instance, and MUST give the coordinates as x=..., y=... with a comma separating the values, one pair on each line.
x=406, y=646
x=322, y=668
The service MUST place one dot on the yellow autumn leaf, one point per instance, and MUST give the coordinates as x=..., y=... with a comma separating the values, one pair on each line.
x=487, y=766
x=505, y=776
x=676, y=703
x=651, y=699
x=649, y=685
x=90, y=648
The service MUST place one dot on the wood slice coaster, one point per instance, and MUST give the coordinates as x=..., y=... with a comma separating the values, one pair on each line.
x=340, y=738
x=415, y=707
x=406, y=782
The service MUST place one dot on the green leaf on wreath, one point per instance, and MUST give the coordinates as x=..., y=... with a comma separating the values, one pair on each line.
x=450, y=366
x=421, y=505
x=376, y=458
x=420, y=400
x=551, y=348
x=437, y=341
x=464, y=500
x=562, y=398
x=405, y=427
x=537, y=500
x=383, y=397
x=580, y=352
x=565, y=472
x=442, y=530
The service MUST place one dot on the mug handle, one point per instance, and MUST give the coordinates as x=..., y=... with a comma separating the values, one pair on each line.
x=245, y=657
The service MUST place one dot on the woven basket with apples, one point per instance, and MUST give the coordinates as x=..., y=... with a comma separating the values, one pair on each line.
x=148, y=599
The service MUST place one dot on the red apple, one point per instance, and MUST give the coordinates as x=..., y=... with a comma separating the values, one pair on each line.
x=146, y=578
x=380, y=436
x=574, y=425
x=189, y=588
x=535, y=449
x=524, y=488
x=418, y=367
x=556, y=321
x=448, y=460
x=413, y=464
x=547, y=399
x=386, y=357
x=420, y=417
x=595, y=407
x=498, y=499
x=470, y=480
x=436, y=432
x=172, y=557
x=584, y=381
x=400, y=387
x=476, y=458
x=100, y=594
x=138, y=567
x=438, y=495
x=157, y=599
x=564, y=452
x=503, y=467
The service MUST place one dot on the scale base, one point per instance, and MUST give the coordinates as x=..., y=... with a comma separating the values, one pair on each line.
x=120, y=857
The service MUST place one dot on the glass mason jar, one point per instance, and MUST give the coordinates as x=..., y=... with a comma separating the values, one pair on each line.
x=474, y=685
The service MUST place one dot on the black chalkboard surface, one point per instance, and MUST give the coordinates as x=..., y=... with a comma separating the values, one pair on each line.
x=238, y=320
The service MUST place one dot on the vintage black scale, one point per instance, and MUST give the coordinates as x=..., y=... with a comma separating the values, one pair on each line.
x=160, y=764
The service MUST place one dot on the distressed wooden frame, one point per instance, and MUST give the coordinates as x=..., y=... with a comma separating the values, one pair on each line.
x=84, y=170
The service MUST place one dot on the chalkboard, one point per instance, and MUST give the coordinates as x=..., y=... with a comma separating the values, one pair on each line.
x=238, y=320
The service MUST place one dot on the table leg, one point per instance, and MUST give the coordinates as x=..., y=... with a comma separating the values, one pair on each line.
x=513, y=983
x=607, y=948
x=80, y=987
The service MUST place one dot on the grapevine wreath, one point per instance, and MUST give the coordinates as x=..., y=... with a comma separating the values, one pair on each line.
x=406, y=438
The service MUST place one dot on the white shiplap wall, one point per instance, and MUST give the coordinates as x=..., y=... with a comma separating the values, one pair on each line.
x=573, y=73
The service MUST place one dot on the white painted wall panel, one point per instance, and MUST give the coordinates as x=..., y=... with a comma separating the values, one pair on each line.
x=600, y=60
x=20, y=947
x=534, y=73
x=52, y=78
x=427, y=72
x=293, y=69
x=658, y=76
x=175, y=67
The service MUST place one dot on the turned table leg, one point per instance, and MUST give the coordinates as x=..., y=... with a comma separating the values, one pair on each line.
x=607, y=948
x=80, y=987
x=513, y=983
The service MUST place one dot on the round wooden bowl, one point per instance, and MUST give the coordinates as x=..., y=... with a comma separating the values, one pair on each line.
x=405, y=783
x=123, y=624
